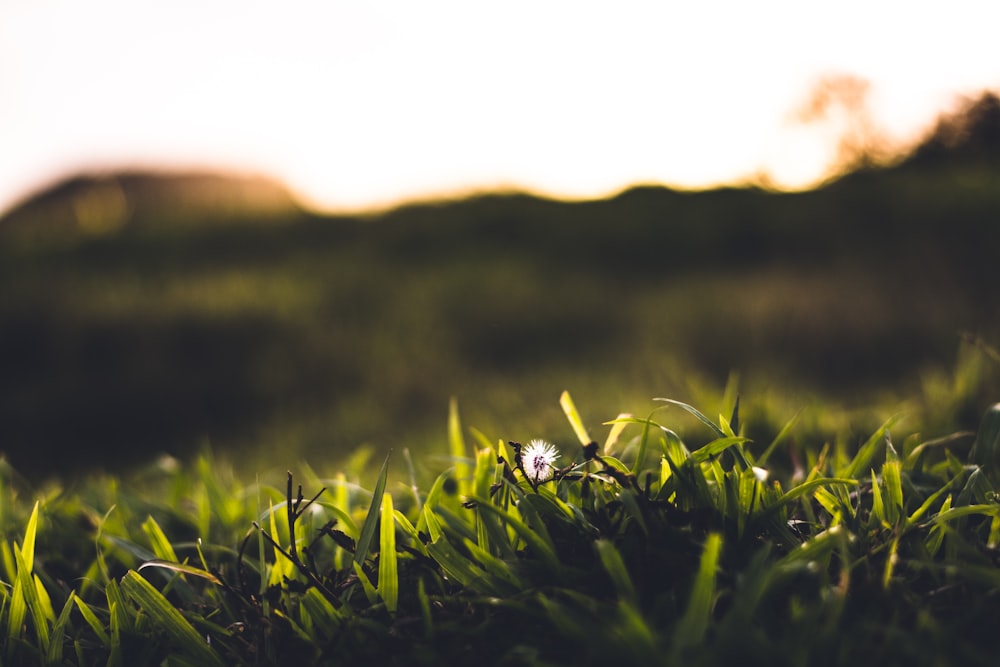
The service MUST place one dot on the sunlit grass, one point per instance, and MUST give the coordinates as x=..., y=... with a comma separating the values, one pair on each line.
x=646, y=546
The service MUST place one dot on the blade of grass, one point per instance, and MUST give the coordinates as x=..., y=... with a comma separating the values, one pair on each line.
x=878, y=504
x=544, y=548
x=7, y=559
x=28, y=546
x=181, y=568
x=566, y=401
x=716, y=447
x=412, y=472
x=892, y=479
x=719, y=431
x=168, y=618
x=456, y=444
x=425, y=608
x=640, y=455
x=370, y=592
x=324, y=615
x=120, y=618
x=283, y=568
x=91, y=618
x=368, y=529
x=158, y=540
x=697, y=413
x=613, y=564
x=456, y=566
x=497, y=568
x=616, y=430
x=693, y=625
x=388, y=577
x=783, y=434
x=862, y=460
x=115, y=614
x=17, y=611
x=410, y=530
x=41, y=616
x=54, y=655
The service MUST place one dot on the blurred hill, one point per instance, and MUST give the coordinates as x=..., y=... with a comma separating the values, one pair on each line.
x=131, y=322
x=103, y=203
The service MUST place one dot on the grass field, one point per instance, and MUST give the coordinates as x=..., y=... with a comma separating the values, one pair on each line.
x=287, y=438
x=642, y=547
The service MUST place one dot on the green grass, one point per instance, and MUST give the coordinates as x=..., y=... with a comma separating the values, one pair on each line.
x=834, y=501
x=646, y=547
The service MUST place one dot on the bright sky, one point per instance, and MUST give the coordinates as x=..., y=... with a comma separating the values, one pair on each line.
x=362, y=103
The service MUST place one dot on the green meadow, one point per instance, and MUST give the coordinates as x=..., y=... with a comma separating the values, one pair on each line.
x=238, y=436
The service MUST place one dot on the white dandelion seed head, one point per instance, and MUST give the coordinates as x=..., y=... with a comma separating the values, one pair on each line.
x=538, y=459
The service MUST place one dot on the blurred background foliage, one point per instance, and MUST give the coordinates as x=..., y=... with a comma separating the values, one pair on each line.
x=143, y=313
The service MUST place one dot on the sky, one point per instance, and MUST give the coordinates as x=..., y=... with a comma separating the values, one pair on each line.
x=358, y=105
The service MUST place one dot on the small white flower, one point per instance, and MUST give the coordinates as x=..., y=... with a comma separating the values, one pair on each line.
x=538, y=459
x=759, y=473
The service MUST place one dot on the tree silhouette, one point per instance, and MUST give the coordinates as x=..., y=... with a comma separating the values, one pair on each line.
x=970, y=133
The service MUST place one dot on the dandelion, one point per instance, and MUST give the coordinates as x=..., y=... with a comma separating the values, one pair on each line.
x=538, y=459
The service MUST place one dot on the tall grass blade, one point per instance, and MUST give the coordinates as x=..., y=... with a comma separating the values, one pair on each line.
x=783, y=434
x=35, y=599
x=30, y=532
x=461, y=569
x=631, y=504
x=456, y=444
x=24, y=599
x=720, y=431
x=890, y=562
x=158, y=540
x=862, y=460
x=91, y=618
x=539, y=542
x=734, y=420
x=17, y=611
x=371, y=521
x=7, y=561
x=425, y=608
x=878, y=504
x=54, y=655
x=115, y=614
x=282, y=568
x=120, y=618
x=324, y=615
x=697, y=413
x=180, y=568
x=691, y=629
x=370, y=591
x=502, y=575
x=169, y=619
x=566, y=401
x=614, y=433
x=412, y=472
x=893, y=481
x=388, y=576
x=410, y=530
x=640, y=456
x=613, y=564
x=715, y=448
